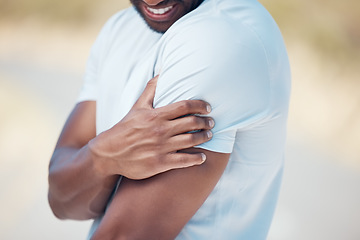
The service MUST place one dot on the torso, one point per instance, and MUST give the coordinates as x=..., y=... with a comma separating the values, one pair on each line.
x=242, y=204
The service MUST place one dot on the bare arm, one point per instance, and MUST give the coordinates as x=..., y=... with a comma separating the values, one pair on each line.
x=76, y=189
x=159, y=207
x=84, y=167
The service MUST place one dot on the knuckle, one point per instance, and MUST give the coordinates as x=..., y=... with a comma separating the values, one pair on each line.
x=185, y=106
x=193, y=138
x=153, y=161
x=158, y=152
x=148, y=116
x=194, y=121
x=199, y=137
x=152, y=156
x=159, y=164
x=184, y=160
x=161, y=160
x=161, y=114
x=159, y=130
x=152, y=114
x=203, y=105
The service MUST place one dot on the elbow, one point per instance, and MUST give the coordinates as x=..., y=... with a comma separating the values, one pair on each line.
x=65, y=205
x=69, y=210
x=56, y=192
x=56, y=208
x=56, y=198
x=67, y=202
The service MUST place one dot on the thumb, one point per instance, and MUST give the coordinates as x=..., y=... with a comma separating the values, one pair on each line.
x=146, y=99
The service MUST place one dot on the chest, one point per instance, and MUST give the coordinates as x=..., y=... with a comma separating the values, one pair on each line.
x=124, y=71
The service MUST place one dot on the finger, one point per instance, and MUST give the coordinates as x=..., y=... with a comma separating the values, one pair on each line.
x=146, y=99
x=183, y=160
x=190, y=123
x=185, y=107
x=188, y=140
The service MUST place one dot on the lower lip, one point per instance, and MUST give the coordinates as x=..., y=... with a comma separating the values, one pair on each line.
x=160, y=17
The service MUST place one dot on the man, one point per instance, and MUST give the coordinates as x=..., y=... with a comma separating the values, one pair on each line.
x=228, y=53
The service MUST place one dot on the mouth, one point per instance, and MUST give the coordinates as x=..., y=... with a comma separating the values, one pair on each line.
x=160, y=14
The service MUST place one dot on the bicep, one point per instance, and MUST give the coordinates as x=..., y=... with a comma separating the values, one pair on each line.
x=80, y=126
x=159, y=207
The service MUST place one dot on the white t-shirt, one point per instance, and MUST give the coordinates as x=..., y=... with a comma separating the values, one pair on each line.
x=231, y=54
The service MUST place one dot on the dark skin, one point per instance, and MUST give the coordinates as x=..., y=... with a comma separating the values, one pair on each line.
x=162, y=22
x=153, y=145
x=158, y=207
x=81, y=179
x=84, y=167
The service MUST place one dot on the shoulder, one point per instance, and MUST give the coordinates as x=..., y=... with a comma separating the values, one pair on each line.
x=214, y=57
x=220, y=56
x=217, y=39
x=125, y=18
x=223, y=22
x=227, y=25
x=214, y=41
x=122, y=32
x=202, y=32
x=229, y=45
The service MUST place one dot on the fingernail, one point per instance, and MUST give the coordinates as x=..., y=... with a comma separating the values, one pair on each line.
x=211, y=123
x=208, y=108
x=203, y=157
x=209, y=134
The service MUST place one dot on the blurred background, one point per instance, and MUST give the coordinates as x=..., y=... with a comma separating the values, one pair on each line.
x=43, y=50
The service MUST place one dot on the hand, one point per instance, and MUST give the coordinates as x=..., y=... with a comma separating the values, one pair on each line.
x=145, y=142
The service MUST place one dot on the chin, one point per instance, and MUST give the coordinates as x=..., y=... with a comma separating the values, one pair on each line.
x=159, y=28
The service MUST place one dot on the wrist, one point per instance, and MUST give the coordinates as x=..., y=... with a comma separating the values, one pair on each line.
x=99, y=158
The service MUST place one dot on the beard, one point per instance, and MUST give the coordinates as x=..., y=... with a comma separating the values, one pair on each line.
x=180, y=8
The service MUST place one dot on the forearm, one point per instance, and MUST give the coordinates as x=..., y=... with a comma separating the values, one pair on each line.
x=85, y=167
x=78, y=189
x=159, y=207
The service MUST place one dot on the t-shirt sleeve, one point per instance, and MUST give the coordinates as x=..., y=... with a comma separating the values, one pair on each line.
x=228, y=69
